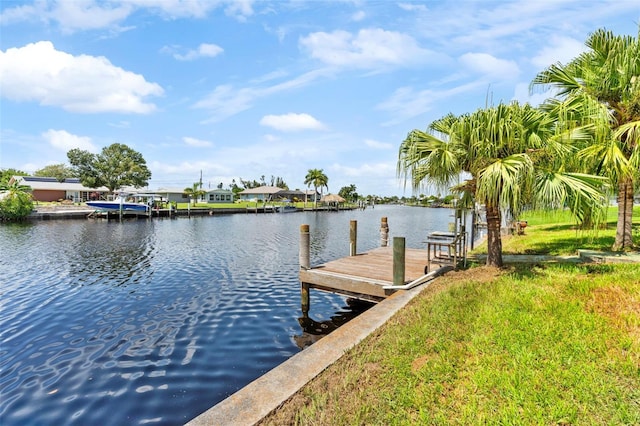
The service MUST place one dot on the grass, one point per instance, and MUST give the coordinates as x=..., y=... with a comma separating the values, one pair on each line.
x=528, y=344
x=555, y=233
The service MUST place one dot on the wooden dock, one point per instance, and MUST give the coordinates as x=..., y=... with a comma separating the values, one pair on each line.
x=369, y=275
x=373, y=275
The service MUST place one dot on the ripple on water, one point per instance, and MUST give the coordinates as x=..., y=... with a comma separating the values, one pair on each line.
x=154, y=321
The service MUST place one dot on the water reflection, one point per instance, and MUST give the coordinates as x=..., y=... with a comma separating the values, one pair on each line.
x=313, y=330
x=129, y=322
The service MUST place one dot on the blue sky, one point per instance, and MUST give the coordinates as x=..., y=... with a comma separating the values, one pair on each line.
x=242, y=89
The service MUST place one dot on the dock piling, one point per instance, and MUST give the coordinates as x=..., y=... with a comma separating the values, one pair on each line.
x=353, y=237
x=384, y=232
x=305, y=263
x=305, y=240
x=398, y=260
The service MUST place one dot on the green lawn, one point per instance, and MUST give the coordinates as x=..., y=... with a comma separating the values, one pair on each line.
x=525, y=345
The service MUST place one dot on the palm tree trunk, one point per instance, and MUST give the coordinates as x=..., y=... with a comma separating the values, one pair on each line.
x=624, y=237
x=494, y=239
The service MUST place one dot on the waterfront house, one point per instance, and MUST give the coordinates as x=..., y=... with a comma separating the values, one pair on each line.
x=173, y=195
x=47, y=189
x=219, y=196
x=273, y=193
x=261, y=193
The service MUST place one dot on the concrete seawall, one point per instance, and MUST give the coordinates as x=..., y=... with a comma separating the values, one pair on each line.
x=253, y=402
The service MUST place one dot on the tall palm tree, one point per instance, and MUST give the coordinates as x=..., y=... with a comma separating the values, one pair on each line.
x=512, y=153
x=603, y=85
x=318, y=179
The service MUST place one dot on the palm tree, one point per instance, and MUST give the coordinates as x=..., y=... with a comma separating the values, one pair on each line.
x=603, y=86
x=194, y=192
x=512, y=153
x=318, y=179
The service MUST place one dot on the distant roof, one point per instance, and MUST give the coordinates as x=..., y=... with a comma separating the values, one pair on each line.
x=262, y=190
x=51, y=184
x=171, y=190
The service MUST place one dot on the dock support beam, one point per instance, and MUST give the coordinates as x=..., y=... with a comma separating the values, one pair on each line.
x=398, y=260
x=353, y=237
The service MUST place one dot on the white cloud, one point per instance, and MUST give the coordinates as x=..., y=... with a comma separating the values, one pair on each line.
x=226, y=101
x=70, y=15
x=366, y=170
x=65, y=141
x=358, y=16
x=85, y=84
x=490, y=66
x=377, y=145
x=368, y=49
x=74, y=16
x=411, y=7
x=205, y=50
x=407, y=103
x=560, y=49
x=292, y=122
x=198, y=143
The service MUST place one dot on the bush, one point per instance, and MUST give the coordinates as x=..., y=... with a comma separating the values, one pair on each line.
x=15, y=206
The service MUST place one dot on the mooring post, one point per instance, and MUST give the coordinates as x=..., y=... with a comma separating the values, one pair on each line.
x=305, y=263
x=353, y=237
x=398, y=260
x=384, y=232
x=305, y=257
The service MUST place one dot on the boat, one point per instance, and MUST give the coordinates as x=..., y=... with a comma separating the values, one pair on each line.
x=287, y=209
x=120, y=204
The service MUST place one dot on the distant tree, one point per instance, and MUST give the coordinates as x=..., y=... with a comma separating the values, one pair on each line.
x=277, y=181
x=15, y=201
x=116, y=166
x=58, y=171
x=317, y=179
x=248, y=184
x=194, y=192
x=7, y=174
x=348, y=192
x=220, y=185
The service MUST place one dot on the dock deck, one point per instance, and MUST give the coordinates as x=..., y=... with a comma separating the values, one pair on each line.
x=369, y=275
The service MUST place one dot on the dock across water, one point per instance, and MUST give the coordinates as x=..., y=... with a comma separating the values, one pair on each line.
x=373, y=275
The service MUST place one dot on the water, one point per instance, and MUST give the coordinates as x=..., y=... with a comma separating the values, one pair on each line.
x=155, y=321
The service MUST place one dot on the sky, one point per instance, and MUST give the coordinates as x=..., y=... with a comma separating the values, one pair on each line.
x=243, y=89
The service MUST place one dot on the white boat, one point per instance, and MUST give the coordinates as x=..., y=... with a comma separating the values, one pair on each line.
x=120, y=204
x=287, y=209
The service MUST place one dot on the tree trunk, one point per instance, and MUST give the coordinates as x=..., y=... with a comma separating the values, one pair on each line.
x=624, y=237
x=494, y=239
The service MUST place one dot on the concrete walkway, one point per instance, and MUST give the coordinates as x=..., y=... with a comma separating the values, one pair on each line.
x=582, y=256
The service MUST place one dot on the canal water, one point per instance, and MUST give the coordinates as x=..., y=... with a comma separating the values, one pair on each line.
x=155, y=321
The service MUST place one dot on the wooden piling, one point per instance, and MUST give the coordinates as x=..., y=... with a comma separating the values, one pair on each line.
x=398, y=260
x=353, y=237
x=304, y=253
x=305, y=299
x=305, y=264
x=384, y=232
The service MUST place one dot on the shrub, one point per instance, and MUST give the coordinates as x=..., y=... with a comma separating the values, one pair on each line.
x=15, y=205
